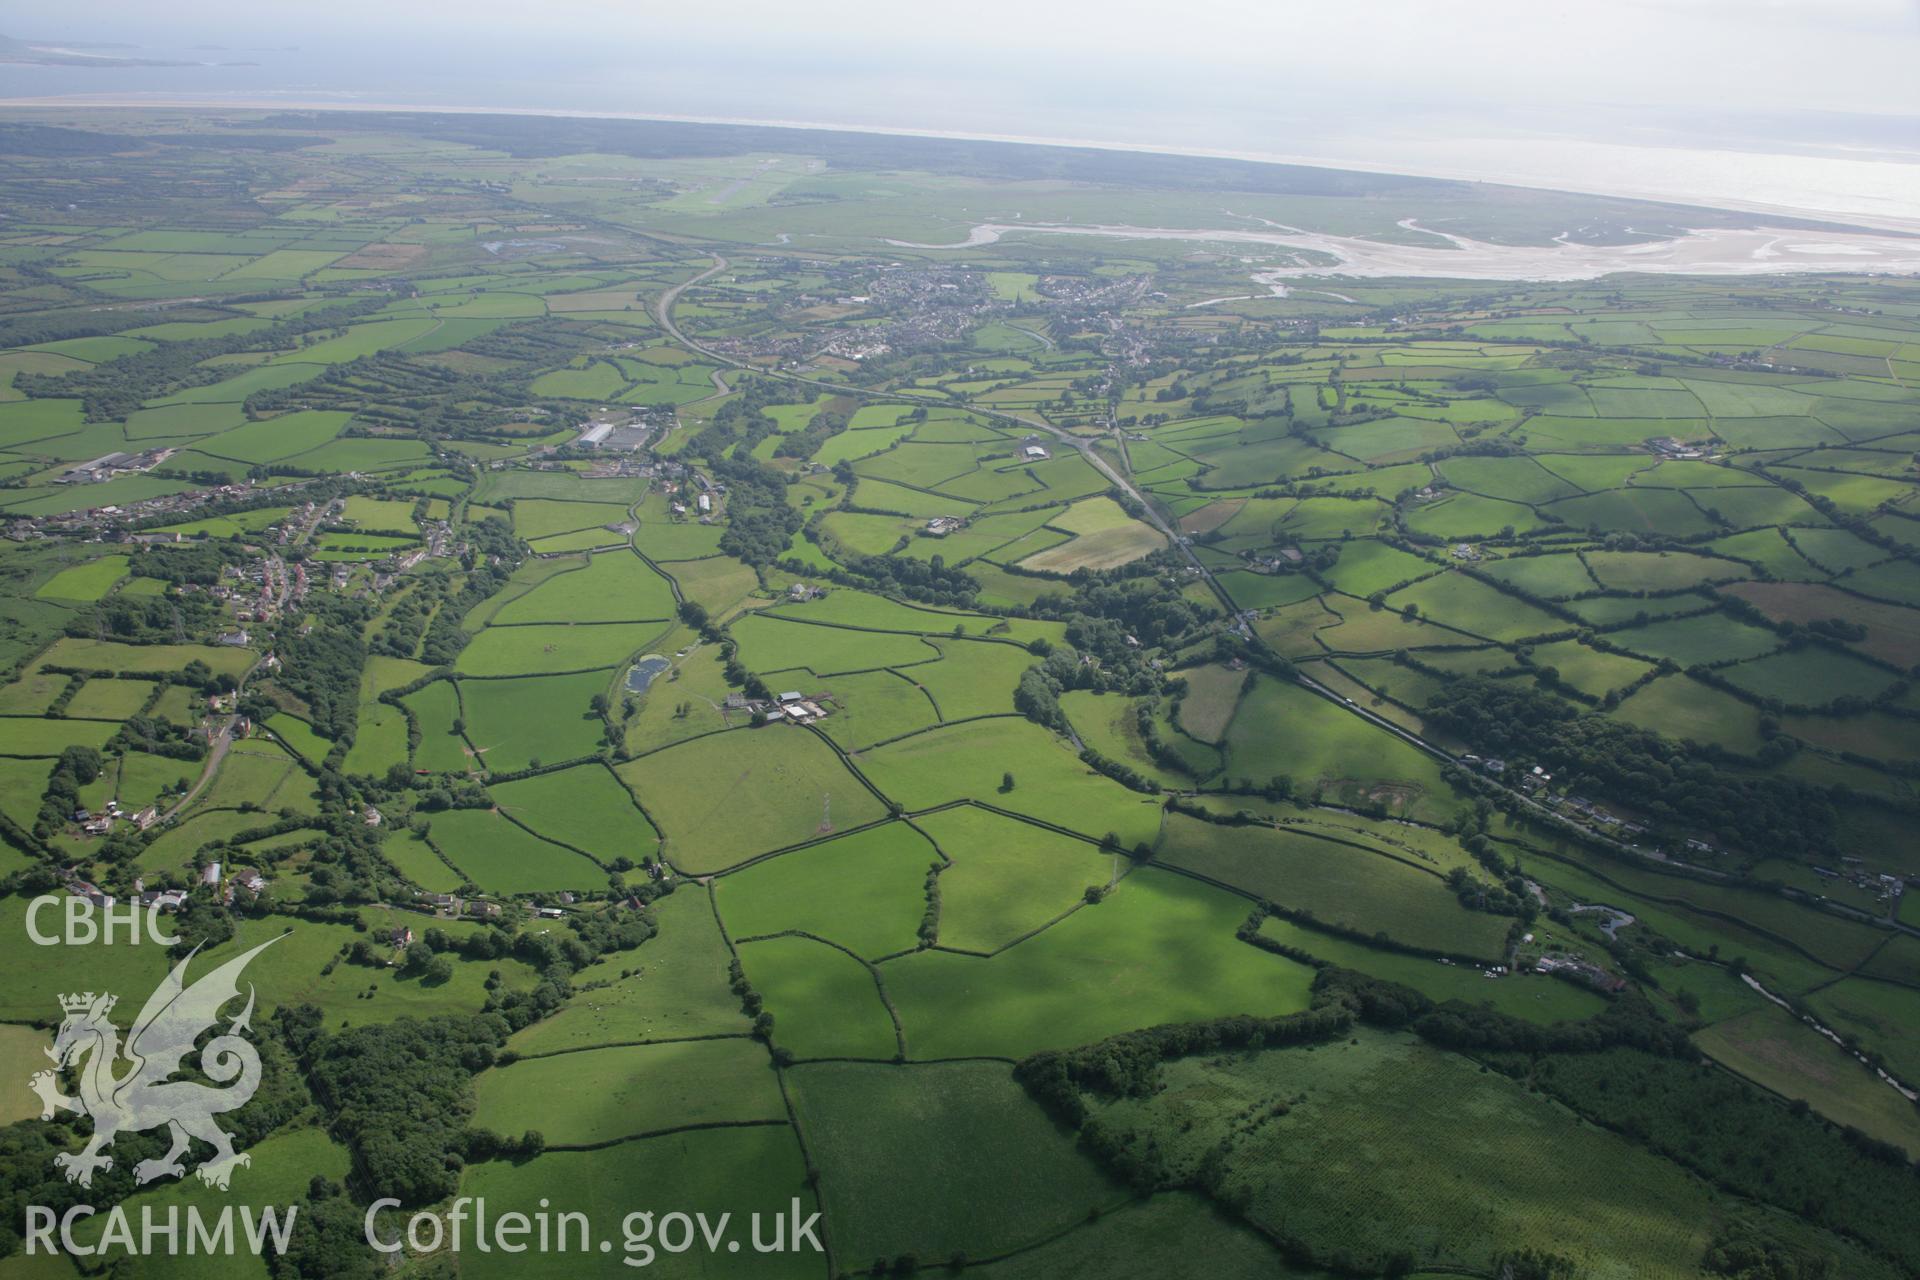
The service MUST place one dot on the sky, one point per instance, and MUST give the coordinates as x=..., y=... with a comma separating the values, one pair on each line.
x=1661, y=97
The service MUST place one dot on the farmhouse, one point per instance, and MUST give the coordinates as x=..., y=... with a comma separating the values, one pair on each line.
x=1036, y=453
x=941, y=526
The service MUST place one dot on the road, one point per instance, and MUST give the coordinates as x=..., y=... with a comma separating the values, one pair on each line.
x=215, y=754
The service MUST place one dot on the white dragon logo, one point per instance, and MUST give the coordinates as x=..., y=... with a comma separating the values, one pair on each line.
x=146, y=1097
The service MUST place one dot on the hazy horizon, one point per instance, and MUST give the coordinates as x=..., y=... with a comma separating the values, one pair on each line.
x=1788, y=105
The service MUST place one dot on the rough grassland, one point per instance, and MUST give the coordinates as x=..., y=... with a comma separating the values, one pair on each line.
x=1362, y=1160
x=987, y=1170
x=1779, y=1052
x=1213, y=691
x=673, y=985
x=724, y=798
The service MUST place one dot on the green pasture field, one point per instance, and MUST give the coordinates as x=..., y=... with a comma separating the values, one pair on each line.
x=1659, y=571
x=85, y=582
x=22, y=784
x=1537, y=998
x=377, y=515
x=502, y=858
x=436, y=708
x=1356, y=890
x=539, y=517
x=719, y=583
x=415, y=859
x=1644, y=511
x=235, y=389
x=1588, y=670
x=1883, y=1016
x=673, y=986
x=1708, y=638
x=768, y=644
x=724, y=798
x=283, y=437
x=32, y=693
x=1776, y=1050
x=1607, y=611
x=1552, y=576
x=1469, y=516
x=33, y=736
x=1676, y=707
x=585, y=807
x=824, y=1002
x=1110, y=725
x=1812, y=676
x=109, y=655
x=497, y=486
x=37, y=976
x=990, y=1171
x=1456, y=600
x=1007, y=878
x=1160, y=948
x=593, y=539
x=1520, y=1170
x=683, y=702
x=380, y=730
x=1518, y=479
x=868, y=612
x=1105, y=537
x=614, y=586
x=1282, y=729
x=596, y=1095
x=369, y=454
x=739, y=1171
x=540, y=648
x=298, y=736
x=109, y=699
x=660, y=538
x=864, y=891
x=967, y=761
x=874, y=706
x=359, y=340
x=865, y=534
